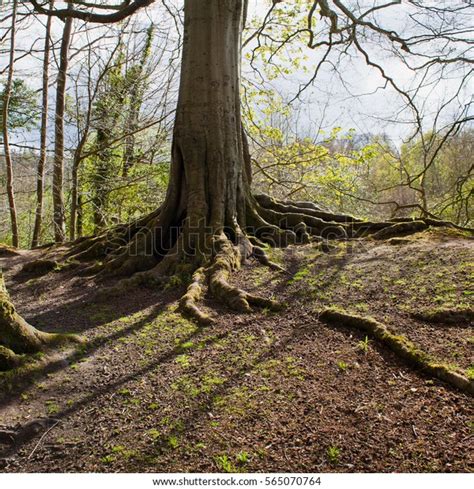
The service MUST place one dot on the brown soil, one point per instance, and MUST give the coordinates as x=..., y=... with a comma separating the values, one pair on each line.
x=257, y=392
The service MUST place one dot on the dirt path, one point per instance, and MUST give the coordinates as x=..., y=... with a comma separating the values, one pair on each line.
x=259, y=392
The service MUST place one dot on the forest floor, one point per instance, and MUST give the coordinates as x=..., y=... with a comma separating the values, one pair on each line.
x=273, y=392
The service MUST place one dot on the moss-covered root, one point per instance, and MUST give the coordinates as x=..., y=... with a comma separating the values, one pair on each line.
x=262, y=257
x=401, y=346
x=188, y=303
x=400, y=229
x=227, y=259
x=8, y=359
x=19, y=336
x=463, y=316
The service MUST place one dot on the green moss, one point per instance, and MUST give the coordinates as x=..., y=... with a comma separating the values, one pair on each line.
x=402, y=346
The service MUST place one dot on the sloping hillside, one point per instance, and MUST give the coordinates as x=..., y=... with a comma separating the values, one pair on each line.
x=283, y=391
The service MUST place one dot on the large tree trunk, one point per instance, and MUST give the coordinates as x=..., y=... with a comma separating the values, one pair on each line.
x=58, y=169
x=6, y=145
x=209, y=210
x=207, y=178
x=43, y=136
x=210, y=220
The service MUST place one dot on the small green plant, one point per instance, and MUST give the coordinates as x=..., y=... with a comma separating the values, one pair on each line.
x=363, y=345
x=342, y=366
x=470, y=372
x=173, y=442
x=223, y=463
x=242, y=457
x=52, y=407
x=118, y=449
x=154, y=434
x=108, y=459
x=333, y=454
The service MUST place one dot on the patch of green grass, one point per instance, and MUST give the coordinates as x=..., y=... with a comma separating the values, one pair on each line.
x=225, y=465
x=470, y=372
x=183, y=360
x=299, y=275
x=52, y=407
x=154, y=434
x=333, y=453
x=118, y=448
x=242, y=457
x=363, y=345
x=173, y=442
x=342, y=366
x=361, y=306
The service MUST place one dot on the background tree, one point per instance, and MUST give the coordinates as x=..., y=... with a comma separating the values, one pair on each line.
x=58, y=168
x=44, y=133
x=7, y=94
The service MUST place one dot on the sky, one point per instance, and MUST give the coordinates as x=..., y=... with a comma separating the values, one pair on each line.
x=349, y=96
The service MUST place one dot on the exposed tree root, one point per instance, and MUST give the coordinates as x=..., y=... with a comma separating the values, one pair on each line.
x=6, y=250
x=23, y=433
x=8, y=359
x=18, y=337
x=262, y=257
x=189, y=301
x=39, y=267
x=151, y=249
x=401, y=228
x=227, y=259
x=461, y=316
x=404, y=348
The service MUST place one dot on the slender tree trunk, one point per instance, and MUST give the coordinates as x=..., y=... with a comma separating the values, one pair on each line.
x=79, y=218
x=75, y=192
x=58, y=168
x=6, y=142
x=140, y=80
x=43, y=136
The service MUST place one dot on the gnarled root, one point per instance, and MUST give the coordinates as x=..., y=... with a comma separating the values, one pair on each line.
x=8, y=359
x=404, y=348
x=188, y=303
x=463, y=316
x=226, y=259
x=18, y=337
x=260, y=255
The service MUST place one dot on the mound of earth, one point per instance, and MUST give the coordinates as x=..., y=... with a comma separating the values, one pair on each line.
x=264, y=391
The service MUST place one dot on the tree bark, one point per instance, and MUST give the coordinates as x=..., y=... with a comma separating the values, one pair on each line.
x=6, y=143
x=43, y=136
x=58, y=168
x=207, y=173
